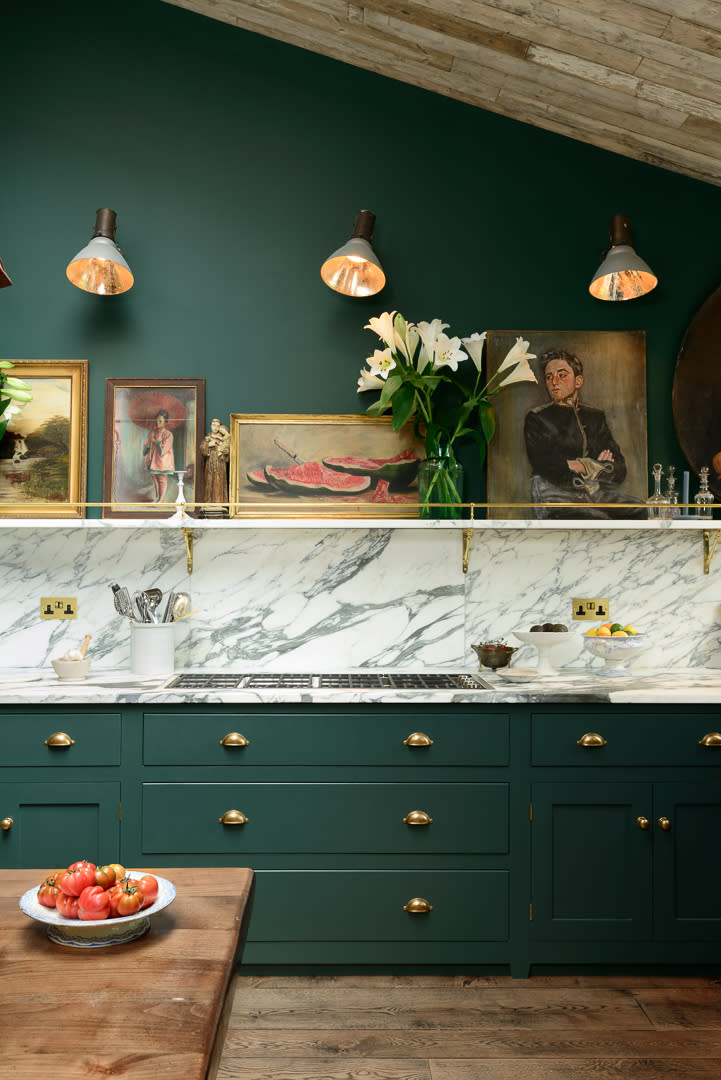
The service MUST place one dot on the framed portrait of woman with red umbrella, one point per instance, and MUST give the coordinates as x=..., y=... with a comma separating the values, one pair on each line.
x=153, y=429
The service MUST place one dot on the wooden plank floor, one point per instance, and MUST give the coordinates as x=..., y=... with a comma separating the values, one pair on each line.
x=367, y=1027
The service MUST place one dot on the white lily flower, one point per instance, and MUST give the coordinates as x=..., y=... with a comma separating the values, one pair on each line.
x=429, y=334
x=517, y=352
x=381, y=362
x=383, y=327
x=367, y=381
x=521, y=373
x=474, y=347
x=449, y=352
x=12, y=410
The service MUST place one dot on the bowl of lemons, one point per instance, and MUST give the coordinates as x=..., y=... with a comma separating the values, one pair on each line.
x=615, y=644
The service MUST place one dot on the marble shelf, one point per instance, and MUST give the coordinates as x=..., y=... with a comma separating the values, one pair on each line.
x=327, y=523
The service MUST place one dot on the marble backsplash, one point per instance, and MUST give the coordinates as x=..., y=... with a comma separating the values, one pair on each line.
x=297, y=599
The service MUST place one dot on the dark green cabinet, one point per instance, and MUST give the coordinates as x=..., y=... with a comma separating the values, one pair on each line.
x=50, y=823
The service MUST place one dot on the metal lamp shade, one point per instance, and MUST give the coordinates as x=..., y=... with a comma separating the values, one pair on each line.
x=101, y=267
x=622, y=276
x=354, y=270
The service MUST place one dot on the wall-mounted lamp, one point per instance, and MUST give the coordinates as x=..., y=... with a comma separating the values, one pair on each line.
x=100, y=267
x=4, y=278
x=622, y=275
x=354, y=269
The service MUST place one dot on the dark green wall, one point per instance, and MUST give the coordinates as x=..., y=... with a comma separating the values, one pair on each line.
x=237, y=163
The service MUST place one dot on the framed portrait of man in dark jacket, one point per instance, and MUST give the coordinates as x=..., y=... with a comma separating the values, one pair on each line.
x=572, y=445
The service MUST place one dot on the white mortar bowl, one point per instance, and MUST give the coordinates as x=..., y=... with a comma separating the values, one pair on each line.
x=615, y=651
x=71, y=669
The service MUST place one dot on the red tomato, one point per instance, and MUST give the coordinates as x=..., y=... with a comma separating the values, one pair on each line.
x=105, y=876
x=48, y=891
x=76, y=878
x=119, y=870
x=129, y=901
x=67, y=905
x=81, y=864
x=148, y=886
x=93, y=903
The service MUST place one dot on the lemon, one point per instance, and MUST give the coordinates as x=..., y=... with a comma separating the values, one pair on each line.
x=631, y=630
x=591, y=633
x=619, y=633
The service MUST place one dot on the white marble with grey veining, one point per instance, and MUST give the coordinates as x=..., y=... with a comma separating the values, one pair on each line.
x=342, y=597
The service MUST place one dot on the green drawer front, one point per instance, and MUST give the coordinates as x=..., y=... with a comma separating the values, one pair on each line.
x=96, y=739
x=630, y=739
x=184, y=738
x=184, y=818
x=367, y=905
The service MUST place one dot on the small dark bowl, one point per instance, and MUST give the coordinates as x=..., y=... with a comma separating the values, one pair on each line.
x=493, y=656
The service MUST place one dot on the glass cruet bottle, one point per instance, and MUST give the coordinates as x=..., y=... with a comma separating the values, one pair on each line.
x=703, y=497
x=657, y=503
x=671, y=493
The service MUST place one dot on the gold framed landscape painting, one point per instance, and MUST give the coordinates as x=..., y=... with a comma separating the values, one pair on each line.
x=43, y=453
x=577, y=435
x=301, y=465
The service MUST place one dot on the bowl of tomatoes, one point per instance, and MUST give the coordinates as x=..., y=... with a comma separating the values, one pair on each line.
x=86, y=906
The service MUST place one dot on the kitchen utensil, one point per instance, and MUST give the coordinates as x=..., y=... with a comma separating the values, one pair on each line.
x=84, y=646
x=121, y=599
x=168, y=613
x=71, y=670
x=186, y=615
x=141, y=608
x=153, y=598
x=180, y=606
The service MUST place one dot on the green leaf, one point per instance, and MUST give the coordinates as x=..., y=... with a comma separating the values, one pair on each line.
x=481, y=443
x=393, y=382
x=3, y=425
x=403, y=406
x=487, y=417
x=4, y=402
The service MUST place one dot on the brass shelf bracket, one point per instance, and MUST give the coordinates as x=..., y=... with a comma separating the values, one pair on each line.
x=709, y=548
x=188, y=537
x=467, y=534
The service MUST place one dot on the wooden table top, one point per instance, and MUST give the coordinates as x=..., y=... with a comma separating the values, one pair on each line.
x=148, y=1008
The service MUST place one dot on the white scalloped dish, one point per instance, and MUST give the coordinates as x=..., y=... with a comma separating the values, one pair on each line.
x=103, y=932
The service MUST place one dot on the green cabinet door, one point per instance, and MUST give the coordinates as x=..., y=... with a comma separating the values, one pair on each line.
x=591, y=861
x=53, y=824
x=687, y=868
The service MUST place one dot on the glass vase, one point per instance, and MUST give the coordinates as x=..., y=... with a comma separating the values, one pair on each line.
x=440, y=487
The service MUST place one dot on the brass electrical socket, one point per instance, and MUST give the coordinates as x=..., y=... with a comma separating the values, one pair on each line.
x=590, y=608
x=58, y=607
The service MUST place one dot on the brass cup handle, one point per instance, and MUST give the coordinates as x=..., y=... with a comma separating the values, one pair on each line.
x=418, y=906
x=417, y=817
x=712, y=739
x=642, y=823
x=418, y=738
x=59, y=740
x=233, y=817
x=6, y=824
x=591, y=739
x=664, y=823
x=234, y=738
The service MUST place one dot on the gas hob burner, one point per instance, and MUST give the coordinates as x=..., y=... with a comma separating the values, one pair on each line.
x=344, y=681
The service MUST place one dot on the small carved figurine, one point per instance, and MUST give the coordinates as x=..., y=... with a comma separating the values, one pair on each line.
x=215, y=448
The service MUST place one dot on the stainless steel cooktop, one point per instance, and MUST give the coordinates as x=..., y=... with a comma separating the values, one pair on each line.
x=301, y=680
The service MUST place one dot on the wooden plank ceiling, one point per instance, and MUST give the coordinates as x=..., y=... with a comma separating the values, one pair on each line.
x=639, y=77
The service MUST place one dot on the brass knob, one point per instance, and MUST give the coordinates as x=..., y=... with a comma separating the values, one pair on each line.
x=418, y=739
x=234, y=738
x=642, y=823
x=59, y=739
x=418, y=906
x=6, y=824
x=664, y=823
x=417, y=817
x=233, y=817
x=712, y=739
x=591, y=739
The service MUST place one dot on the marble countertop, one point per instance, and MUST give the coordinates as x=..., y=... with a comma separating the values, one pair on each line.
x=108, y=687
